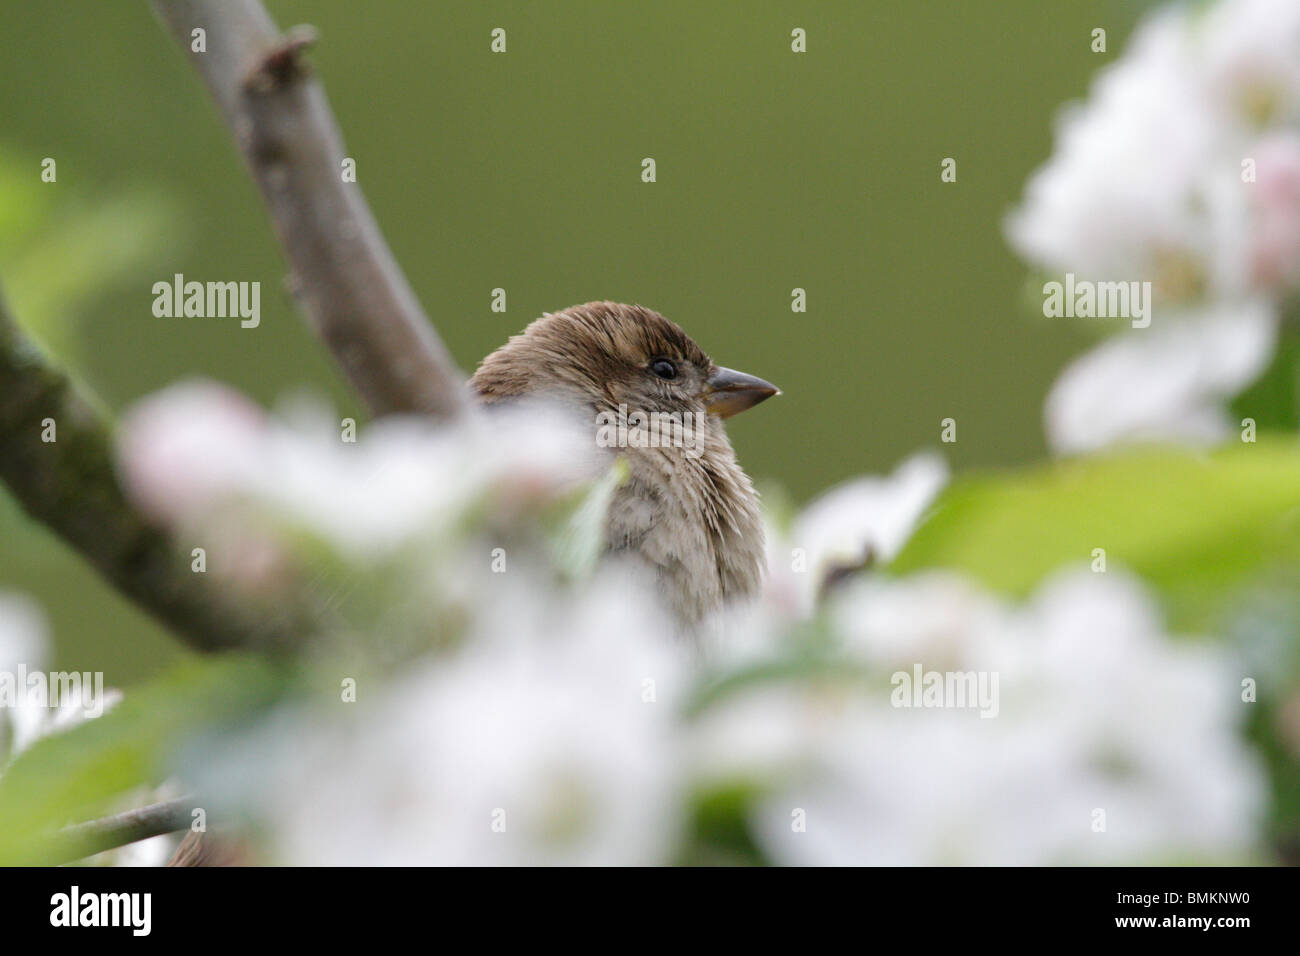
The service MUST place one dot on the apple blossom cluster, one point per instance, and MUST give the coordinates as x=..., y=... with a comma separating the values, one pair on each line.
x=1182, y=170
x=567, y=722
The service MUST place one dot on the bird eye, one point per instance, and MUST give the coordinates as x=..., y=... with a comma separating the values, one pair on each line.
x=664, y=368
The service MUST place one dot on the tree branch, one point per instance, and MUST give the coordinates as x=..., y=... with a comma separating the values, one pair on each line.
x=344, y=275
x=86, y=839
x=71, y=486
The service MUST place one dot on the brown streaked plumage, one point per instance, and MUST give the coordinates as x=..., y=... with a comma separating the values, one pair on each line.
x=690, y=514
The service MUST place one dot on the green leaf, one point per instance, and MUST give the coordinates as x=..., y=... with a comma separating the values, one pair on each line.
x=59, y=257
x=718, y=826
x=579, y=541
x=77, y=775
x=1193, y=525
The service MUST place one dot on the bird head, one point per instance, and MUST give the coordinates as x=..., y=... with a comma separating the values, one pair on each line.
x=686, y=509
x=604, y=355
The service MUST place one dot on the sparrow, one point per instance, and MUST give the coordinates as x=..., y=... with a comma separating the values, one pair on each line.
x=687, y=512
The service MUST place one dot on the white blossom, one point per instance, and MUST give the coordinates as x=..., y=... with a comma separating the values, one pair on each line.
x=1099, y=710
x=862, y=522
x=23, y=644
x=1139, y=186
x=24, y=657
x=1182, y=169
x=549, y=737
x=550, y=728
x=1147, y=181
x=196, y=449
x=1169, y=382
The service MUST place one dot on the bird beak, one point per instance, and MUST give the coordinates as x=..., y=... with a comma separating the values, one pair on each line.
x=728, y=392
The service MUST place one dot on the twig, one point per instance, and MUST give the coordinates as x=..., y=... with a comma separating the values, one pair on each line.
x=71, y=486
x=86, y=839
x=350, y=286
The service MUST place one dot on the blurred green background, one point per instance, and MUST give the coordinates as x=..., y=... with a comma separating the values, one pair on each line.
x=522, y=171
